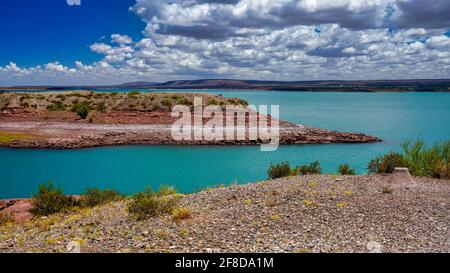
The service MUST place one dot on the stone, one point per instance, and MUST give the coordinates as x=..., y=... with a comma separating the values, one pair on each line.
x=401, y=178
x=374, y=247
x=73, y=247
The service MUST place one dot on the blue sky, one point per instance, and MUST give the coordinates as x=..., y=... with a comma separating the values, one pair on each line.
x=48, y=42
x=43, y=31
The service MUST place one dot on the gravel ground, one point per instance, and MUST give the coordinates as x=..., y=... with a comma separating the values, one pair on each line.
x=303, y=214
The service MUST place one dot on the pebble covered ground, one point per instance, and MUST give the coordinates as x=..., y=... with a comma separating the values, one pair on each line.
x=322, y=213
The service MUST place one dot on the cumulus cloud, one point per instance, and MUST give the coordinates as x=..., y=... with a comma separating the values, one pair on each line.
x=267, y=39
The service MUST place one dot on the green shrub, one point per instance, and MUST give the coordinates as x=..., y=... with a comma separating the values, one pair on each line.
x=82, y=109
x=346, y=170
x=387, y=163
x=167, y=102
x=279, y=170
x=149, y=204
x=56, y=106
x=50, y=200
x=313, y=168
x=95, y=197
x=185, y=101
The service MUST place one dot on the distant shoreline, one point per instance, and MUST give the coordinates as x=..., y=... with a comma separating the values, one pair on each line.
x=438, y=85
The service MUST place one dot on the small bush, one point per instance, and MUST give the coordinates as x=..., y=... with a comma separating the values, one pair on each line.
x=82, y=109
x=313, y=168
x=387, y=190
x=279, y=170
x=181, y=213
x=213, y=102
x=50, y=200
x=387, y=163
x=95, y=197
x=167, y=190
x=149, y=204
x=6, y=218
x=346, y=170
x=185, y=101
x=56, y=106
x=101, y=107
x=167, y=102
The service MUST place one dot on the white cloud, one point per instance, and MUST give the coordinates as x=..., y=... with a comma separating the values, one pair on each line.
x=263, y=39
x=121, y=39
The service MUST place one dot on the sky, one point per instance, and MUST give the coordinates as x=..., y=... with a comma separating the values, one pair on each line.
x=57, y=42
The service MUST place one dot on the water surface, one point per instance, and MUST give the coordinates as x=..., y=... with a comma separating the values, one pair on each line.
x=393, y=117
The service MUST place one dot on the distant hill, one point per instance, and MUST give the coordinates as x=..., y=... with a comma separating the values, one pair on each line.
x=322, y=86
x=441, y=85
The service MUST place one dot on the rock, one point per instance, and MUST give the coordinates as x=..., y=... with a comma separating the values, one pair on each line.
x=401, y=178
x=73, y=247
x=374, y=247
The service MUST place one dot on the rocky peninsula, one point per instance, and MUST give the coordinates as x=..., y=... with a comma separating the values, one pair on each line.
x=80, y=119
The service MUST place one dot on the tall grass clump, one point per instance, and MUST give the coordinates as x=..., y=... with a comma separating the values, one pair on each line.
x=421, y=160
x=50, y=200
x=149, y=204
x=433, y=161
x=345, y=169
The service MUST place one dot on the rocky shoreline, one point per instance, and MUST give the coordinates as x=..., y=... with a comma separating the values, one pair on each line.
x=57, y=135
x=322, y=213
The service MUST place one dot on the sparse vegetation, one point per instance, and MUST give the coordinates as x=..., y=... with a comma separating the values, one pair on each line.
x=149, y=204
x=346, y=170
x=82, y=109
x=6, y=137
x=387, y=190
x=6, y=218
x=167, y=190
x=167, y=103
x=284, y=170
x=56, y=106
x=50, y=200
x=421, y=160
x=386, y=163
x=433, y=161
x=94, y=197
x=279, y=170
x=181, y=213
x=313, y=168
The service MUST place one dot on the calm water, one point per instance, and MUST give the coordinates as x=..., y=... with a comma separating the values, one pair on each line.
x=392, y=116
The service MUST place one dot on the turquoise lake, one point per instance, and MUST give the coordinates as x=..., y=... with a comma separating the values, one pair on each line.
x=393, y=117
